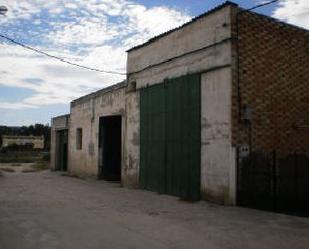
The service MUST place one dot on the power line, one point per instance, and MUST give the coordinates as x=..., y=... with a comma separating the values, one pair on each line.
x=59, y=58
x=92, y=68
x=262, y=5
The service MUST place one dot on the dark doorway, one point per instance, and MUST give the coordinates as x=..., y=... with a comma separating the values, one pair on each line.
x=110, y=148
x=62, y=150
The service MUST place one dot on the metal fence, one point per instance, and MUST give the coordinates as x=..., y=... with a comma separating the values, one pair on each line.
x=275, y=183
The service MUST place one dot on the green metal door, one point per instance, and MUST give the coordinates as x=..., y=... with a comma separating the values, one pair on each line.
x=170, y=137
x=152, y=138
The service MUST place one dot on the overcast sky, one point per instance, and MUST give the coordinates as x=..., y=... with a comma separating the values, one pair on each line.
x=94, y=33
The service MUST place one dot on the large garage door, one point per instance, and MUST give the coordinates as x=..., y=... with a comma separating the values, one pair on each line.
x=170, y=137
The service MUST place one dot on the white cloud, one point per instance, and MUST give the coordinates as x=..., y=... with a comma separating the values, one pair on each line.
x=155, y=20
x=114, y=58
x=71, y=6
x=25, y=9
x=55, y=82
x=15, y=106
x=94, y=27
x=88, y=32
x=293, y=11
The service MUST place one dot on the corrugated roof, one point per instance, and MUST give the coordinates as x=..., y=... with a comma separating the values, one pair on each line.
x=227, y=3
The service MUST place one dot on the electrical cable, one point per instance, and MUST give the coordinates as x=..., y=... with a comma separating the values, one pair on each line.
x=59, y=58
x=262, y=5
x=92, y=68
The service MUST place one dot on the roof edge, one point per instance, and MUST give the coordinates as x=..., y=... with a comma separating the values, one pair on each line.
x=194, y=19
x=62, y=116
x=103, y=90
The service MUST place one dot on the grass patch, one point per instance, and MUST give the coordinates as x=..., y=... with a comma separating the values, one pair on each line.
x=7, y=169
x=20, y=156
x=38, y=166
x=39, y=159
x=24, y=156
x=41, y=165
x=17, y=160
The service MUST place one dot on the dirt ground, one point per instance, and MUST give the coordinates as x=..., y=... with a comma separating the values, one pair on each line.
x=45, y=210
x=16, y=167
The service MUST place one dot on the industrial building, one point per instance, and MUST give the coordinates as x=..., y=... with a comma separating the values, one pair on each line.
x=37, y=142
x=202, y=107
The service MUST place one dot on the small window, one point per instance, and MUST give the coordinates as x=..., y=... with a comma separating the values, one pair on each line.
x=79, y=138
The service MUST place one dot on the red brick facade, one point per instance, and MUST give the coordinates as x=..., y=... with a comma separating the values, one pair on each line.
x=271, y=78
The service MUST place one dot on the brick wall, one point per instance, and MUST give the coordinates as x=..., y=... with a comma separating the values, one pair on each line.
x=273, y=81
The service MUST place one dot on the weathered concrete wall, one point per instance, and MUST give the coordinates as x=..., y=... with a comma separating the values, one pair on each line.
x=85, y=114
x=203, y=46
x=218, y=159
x=130, y=170
x=173, y=55
x=57, y=123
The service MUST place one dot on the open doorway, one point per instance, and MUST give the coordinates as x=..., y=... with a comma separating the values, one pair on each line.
x=110, y=148
x=62, y=150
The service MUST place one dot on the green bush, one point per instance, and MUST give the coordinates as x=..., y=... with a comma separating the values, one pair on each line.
x=20, y=157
